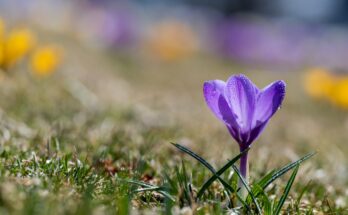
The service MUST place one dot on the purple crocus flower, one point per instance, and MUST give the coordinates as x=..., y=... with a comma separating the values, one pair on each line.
x=244, y=108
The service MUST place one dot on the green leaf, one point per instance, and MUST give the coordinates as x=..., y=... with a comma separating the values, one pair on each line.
x=139, y=183
x=264, y=180
x=267, y=204
x=183, y=180
x=257, y=190
x=149, y=187
x=298, y=200
x=248, y=189
x=212, y=170
x=195, y=156
x=220, y=172
x=173, y=186
x=276, y=174
x=286, y=190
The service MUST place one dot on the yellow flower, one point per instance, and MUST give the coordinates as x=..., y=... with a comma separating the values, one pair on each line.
x=45, y=60
x=318, y=83
x=340, y=93
x=2, y=56
x=2, y=32
x=2, y=28
x=172, y=40
x=16, y=45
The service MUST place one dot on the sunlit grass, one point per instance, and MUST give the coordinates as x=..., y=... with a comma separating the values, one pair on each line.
x=62, y=152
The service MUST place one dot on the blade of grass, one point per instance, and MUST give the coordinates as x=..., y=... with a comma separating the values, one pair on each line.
x=139, y=183
x=219, y=172
x=248, y=189
x=257, y=188
x=267, y=205
x=194, y=155
x=298, y=200
x=170, y=197
x=158, y=189
x=212, y=170
x=286, y=190
x=265, y=183
x=266, y=178
x=173, y=186
x=184, y=182
x=149, y=187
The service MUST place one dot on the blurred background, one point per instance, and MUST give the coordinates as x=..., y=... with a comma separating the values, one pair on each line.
x=268, y=33
x=152, y=56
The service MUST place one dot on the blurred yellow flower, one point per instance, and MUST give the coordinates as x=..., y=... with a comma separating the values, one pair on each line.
x=2, y=28
x=16, y=45
x=45, y=60
x=172, y=40
x=340, y=93
x=318, y=83
x=2, y=55
x=2, y=32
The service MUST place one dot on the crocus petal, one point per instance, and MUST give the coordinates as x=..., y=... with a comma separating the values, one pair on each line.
x=241, y=93
x=229, y=118
x=255, y=132
x=212, y=91
x=268, y=102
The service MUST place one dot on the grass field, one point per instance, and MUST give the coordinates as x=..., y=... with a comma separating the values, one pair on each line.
x=81, y=141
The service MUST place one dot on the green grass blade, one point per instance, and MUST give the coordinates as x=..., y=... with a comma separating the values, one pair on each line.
x=203, y=162
x=260, y=184
x=285, y=169
x=248, y=189
x=219, y=172
x=299, y=198
x=173, y=186
x=212, y=170
x=195, y=156
x=286, y=190
x=149, y=187
x=139, y=183
x=170, y=197
x=184, y=182
x=265, y=201
x=266, y=178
